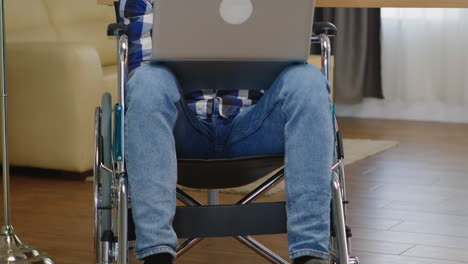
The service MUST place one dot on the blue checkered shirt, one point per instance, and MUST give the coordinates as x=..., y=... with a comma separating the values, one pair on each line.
x=138, y=15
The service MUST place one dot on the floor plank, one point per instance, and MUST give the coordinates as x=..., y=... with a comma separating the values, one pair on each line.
x=382, y=247
x=408, y=204
x=432, y=228
x=408, y=215
x=411, y=238
x=372, y=222
x=438, y=253
x=373, y=258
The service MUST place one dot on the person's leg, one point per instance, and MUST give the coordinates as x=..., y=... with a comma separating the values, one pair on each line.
x=154, y=111
x=294, y=116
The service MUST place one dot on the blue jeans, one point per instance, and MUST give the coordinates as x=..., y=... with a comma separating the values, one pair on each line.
x=293, y=117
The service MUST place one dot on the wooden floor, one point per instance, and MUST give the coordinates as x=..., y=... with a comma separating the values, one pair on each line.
x=408, y=204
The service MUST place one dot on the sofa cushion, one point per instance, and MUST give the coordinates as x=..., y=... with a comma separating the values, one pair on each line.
x=27, y=21
x=84, y=21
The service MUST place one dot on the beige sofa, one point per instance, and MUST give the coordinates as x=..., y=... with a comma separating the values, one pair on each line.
x=59, y=62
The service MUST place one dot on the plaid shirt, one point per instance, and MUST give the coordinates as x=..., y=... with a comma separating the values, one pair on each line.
x=138, y=15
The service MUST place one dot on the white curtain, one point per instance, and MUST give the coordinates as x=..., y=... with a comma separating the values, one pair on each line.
x=424, y=67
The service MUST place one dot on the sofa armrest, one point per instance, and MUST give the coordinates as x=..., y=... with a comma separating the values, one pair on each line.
x=53, y=89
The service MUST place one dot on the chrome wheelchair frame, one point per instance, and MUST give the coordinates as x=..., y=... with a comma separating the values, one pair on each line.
x=111, y=192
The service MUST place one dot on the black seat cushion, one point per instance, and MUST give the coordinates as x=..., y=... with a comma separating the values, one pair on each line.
x=226, y=173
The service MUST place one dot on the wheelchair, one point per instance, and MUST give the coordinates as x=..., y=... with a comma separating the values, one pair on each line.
x=113, y=223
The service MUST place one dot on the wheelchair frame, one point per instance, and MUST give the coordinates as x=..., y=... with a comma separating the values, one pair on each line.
x=111, y=192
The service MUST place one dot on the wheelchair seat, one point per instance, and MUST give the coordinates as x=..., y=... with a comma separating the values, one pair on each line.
x=236, y=172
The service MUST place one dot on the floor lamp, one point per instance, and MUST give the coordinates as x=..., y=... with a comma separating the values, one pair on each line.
x=12, y=250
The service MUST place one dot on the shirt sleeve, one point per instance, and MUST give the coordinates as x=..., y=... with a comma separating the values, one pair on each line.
x=138, y=16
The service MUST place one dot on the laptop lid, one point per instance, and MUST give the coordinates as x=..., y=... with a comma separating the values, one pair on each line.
x=232, y=30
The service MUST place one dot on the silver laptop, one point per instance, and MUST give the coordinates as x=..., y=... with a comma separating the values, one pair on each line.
x=231, y=44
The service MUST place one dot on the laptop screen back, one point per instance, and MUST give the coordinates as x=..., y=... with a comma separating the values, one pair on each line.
x=239, y=30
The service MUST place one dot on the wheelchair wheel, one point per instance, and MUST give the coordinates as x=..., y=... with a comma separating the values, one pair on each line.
x=97, y=180
x=102, y=177
x=106, y=176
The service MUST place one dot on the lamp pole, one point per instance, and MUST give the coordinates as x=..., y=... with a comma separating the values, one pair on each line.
x=12, y=250
x=6, y=168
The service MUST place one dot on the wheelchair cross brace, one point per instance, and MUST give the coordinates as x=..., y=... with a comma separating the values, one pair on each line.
x=198, y=221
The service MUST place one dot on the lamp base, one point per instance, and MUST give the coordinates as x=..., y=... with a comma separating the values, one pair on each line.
x=12, y=250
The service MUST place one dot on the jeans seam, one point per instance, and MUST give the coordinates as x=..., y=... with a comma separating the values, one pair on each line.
x=280, y=98
x=154, y=250
x=309, y=252
x=257, y=127
x=180, y=100
x=192, y=122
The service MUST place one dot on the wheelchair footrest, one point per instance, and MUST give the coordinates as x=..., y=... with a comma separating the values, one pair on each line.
x=230, y=220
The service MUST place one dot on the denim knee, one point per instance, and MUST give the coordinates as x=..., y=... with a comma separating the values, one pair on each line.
x=305, y=85
x=150, y=84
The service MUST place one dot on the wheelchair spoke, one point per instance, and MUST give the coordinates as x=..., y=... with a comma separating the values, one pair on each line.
x=337, y=165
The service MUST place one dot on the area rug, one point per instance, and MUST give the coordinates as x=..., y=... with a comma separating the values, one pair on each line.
x=355, y=150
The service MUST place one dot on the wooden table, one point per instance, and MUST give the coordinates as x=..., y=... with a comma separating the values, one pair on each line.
x=375, y=3
x=393, y=3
